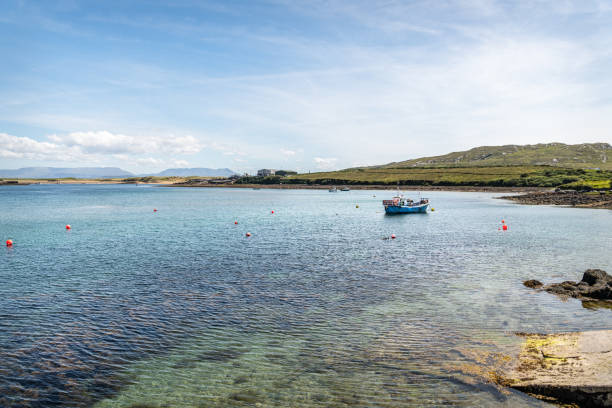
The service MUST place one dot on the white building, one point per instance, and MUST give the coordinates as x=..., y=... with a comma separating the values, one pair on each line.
x=266, y=172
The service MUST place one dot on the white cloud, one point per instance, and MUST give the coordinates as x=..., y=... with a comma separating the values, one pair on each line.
x=104, y=142
x=288, y=153
x=377, y=82
x=149, y=161
x=16, y=147
x=498, y=90
x=181, y=163
x=156, y=163
x=98, y=147
x=227, y=149
x=325, y=163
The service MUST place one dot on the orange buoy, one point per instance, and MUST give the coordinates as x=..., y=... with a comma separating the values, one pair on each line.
x=503, y=221
x=235, y=222
x=68, y=227
x=248, y=234
x=392, y=236
x=9, y=242
x=505, y=227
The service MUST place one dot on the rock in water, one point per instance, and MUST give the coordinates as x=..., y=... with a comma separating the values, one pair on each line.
x=595, y=285
x=594, y=276
x=532, y=283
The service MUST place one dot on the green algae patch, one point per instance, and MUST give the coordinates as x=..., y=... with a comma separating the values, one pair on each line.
x=544, y=350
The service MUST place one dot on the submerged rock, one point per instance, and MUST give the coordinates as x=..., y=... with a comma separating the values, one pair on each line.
x=246, y=396
x=220, y=355
x=595, y=285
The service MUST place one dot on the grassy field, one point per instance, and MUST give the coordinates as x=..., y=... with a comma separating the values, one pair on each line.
x=501, y=176
x=586, y=155
x=477, y=176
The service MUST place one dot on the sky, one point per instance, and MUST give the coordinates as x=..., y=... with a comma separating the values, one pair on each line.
x=299, y=85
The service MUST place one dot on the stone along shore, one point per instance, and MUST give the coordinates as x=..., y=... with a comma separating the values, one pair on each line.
x=572, y=368
x=569, y=198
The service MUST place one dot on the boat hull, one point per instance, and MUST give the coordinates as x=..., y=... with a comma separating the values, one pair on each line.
x=404, y=209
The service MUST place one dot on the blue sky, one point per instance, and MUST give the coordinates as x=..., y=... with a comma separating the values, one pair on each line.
x=301, y=85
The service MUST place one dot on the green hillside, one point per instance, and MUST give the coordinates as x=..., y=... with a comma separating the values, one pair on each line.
x=582, y=167
x=586, y=155
x=498, y=176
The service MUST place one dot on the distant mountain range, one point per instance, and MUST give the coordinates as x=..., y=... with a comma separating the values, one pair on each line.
x=106, y=172
x=585, y=155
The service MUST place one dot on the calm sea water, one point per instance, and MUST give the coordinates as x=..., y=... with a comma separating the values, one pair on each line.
x=318, y=308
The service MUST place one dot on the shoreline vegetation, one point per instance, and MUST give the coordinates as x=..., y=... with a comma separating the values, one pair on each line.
x=497, y=176
x=543, y=184
x=581, y=167
x=526, y=177
x=387, y=187
x=186, y=184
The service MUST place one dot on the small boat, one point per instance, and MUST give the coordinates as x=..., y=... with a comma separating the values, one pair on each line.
x=345, y=189
x=333, y=190
x=401, y=205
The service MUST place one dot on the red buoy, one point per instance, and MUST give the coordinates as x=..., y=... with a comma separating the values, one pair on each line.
x=505, y=227
x=235, y=222
x=9, y=242
x=68, y=227
x=272, y=212
x=155, y=210
x=248, y=234
x=503, y=221
x=392, y=236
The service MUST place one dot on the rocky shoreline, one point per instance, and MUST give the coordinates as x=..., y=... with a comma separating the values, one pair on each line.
x=567, y=198
x=565, y=368
x=596, y=285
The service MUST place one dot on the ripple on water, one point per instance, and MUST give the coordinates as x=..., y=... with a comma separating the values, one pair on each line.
x=131, y=309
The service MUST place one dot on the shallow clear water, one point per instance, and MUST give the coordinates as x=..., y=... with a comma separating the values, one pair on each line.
x=133, y=308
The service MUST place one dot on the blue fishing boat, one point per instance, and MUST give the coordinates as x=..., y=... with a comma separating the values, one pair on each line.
x=401, y=205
